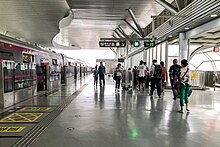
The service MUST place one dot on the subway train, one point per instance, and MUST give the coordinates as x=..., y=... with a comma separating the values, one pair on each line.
x=29, y=71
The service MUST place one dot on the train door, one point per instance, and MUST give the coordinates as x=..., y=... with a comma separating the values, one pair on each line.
x=80, y=70
x=75, y=71
x=7, y=83
x=41, y=77
x=63, y=74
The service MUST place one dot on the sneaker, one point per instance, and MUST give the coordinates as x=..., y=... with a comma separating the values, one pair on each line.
x=174, y=98
x=159, y=96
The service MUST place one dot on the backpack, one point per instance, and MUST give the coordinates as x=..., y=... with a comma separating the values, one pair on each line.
x=158, y=72
x=101, y=70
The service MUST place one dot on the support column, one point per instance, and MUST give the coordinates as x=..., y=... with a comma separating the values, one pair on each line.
x=126, y=65
x=183, y=47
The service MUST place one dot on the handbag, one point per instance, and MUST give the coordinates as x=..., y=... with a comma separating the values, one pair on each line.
x=177, y=85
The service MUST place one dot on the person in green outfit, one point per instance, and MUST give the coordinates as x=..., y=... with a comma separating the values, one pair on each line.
x=184, y=85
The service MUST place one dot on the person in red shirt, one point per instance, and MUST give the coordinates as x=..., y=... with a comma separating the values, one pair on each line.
x=165, y=75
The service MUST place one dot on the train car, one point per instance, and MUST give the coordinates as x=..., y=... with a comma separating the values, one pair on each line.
x=26, y=71
x=68, y=70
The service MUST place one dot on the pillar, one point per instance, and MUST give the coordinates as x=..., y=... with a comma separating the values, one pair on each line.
x=183, y=47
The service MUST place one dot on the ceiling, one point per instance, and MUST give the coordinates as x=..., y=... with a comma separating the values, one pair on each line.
x=35, y=21
x=95, y=19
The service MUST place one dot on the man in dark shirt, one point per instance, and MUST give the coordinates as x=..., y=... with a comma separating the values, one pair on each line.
x=102, y=73
x=174, y=73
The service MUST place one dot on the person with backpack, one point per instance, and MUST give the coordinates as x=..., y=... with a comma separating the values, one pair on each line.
x=118, y=75
x=184, y=85
x=174, y=74
x=156, y=75
x=102, y=74
x=141, y=75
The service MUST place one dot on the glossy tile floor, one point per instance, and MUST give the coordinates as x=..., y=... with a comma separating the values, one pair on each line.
x=99, y=117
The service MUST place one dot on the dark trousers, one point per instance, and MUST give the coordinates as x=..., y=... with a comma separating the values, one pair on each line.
x=95, y=80
x=156, y=82
x=175, y=92
x=102, y=78
x=118, y=80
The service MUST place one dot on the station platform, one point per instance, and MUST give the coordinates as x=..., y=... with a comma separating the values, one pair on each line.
x=99, y=117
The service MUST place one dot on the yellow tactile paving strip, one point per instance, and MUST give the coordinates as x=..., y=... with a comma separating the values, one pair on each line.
x=11, y=129
x=36, y=109
x=21, y=117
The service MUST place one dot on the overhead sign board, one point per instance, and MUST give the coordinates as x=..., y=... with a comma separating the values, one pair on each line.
x=122, y=60
x=112, y=44
x=216, y=49
x=149, y=44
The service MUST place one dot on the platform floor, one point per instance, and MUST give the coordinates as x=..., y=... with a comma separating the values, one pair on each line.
x=99, y=117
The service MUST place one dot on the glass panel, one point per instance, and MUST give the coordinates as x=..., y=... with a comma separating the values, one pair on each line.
x=173, y=50
x=41, y=77
x=155, y=52
x=198, y=59
x=22, y=76
x=217, y=63
x=206, y=66
x=151, y=58
x=55, y=72
x=158, y=53
x=33, y=74
x=214, y=55
x=163, y=52
x=8, y=76
x=70, y=71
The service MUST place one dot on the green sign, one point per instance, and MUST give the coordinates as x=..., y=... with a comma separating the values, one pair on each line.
x=149, y=44
x=136, y=43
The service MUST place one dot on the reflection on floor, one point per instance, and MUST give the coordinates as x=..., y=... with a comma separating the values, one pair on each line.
x=99, y=117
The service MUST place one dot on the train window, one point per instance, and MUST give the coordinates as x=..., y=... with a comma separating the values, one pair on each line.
x=8, y=76
x=23, y=77
x=54, y=61
x=55, y=72
x=27, y=58
x=6, y=56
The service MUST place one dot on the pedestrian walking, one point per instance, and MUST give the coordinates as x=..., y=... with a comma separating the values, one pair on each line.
x=95, y=75
x=174, y=74
x=184, y=85
x=165, y=76
x=118, y=75
x=141, y=75
x=102, y=74
x=156, y=75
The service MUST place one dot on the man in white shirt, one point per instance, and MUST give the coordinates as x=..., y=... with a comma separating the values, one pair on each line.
x=141, y=75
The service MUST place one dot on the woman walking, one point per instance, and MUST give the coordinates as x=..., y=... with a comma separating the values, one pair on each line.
x=184, y=85
x=118, y=73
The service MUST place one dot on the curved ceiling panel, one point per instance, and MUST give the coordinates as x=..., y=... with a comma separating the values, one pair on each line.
x=94, y=19
x=34, y=21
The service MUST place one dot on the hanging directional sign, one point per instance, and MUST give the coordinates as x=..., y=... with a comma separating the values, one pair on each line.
x=216, y=49
x=136, y=43
x=149, y=44
x=112, y=44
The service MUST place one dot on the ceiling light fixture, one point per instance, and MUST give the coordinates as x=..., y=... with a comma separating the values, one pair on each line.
x=170, y=36
x=214, y=15
x=187, y=28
